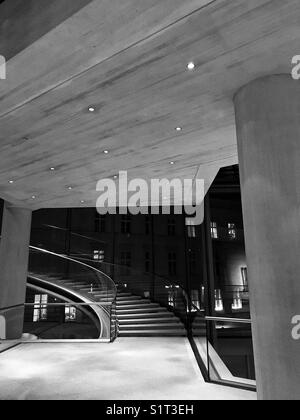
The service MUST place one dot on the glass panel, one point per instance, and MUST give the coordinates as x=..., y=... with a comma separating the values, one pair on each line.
x=61, y=321
x=230, y=353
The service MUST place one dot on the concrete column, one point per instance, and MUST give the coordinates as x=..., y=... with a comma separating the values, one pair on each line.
x=14, y=252
x=268, y=131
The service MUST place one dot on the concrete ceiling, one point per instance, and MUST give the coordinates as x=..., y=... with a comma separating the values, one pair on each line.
x=128, y=59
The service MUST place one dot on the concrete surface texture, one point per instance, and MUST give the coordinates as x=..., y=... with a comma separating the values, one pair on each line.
x=148, y=368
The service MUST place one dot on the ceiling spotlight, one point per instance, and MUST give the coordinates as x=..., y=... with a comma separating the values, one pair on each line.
x=33, y=197
x=82, y=201
x=70, y=188
x=178, y=129
x=106, y=152
x=92, y=109
x=191, y=66
x=172, y=163
x=52, y=169
x=11, y=182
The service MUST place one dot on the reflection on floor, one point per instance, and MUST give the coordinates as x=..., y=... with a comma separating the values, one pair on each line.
x=129, y=369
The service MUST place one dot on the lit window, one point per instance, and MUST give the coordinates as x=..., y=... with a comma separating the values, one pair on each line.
x=191, y=231
x=99, y=255
x=244, y=272
x=70, y=313
x=195, y=300
x=40, y=311
x=232, y=231
x=237, y=302
x=219, y=305
x=214, y=230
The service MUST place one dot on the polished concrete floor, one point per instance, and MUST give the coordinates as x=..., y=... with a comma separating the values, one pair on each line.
x=129, y=369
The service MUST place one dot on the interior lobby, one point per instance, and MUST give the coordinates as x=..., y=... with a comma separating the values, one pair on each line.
x=149, y=200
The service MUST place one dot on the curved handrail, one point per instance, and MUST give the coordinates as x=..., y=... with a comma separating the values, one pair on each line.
x=81, y=280
x=113, y=265
x=65, y=257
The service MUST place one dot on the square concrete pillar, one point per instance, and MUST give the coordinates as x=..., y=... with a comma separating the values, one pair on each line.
x=14, y=254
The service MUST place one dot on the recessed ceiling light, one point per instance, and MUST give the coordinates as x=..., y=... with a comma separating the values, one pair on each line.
x=82, y=201
x=191, y=66
x=178, y=128
x=172, y=163
x=52, y=169
x=106, y=152
x=33, y=197
x=11, y=182
x=70, y=188
x=92, y=109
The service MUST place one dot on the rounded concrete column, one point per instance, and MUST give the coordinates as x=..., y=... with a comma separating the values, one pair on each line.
x=268, y=132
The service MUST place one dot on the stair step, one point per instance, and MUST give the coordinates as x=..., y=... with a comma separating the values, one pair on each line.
x=141, y=308
x=138, y=302
x=148, y=320
x=152, y=333
x=151, y=314
x=152, y=326
x=140, y=311
x=141, y=304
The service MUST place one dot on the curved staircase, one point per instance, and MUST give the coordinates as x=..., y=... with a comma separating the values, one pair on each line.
x=136, y=316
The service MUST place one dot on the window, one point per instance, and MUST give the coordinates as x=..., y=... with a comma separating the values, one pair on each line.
x=214, y=230
x=100, y=223
x=99, y=255
x=244, y=272
x=147, y=262
x=191, y=229
x=126, y=258
x=232, y=231
x=171, y=227
x=40, y=311
x=70, y=313
x=147, y=225
x=195, y=300
x=172, y=263
x=126, y=224
x=193, y=261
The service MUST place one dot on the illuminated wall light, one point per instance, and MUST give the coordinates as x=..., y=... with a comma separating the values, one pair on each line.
x=191, y=66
